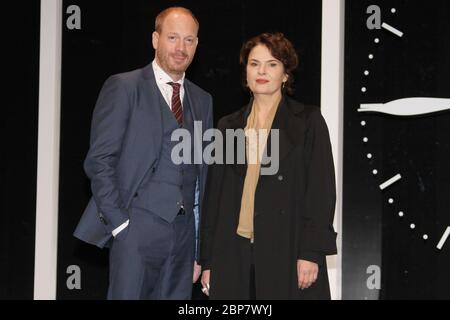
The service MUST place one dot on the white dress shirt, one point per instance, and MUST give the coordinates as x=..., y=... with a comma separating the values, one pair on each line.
x=166, y=90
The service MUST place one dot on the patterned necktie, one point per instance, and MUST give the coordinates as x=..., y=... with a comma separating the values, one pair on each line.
x=176, y=102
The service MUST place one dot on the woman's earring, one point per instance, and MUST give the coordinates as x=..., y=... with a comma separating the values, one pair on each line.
x=284, y=84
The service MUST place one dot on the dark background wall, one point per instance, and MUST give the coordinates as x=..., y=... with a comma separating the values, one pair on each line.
x=115, y=36
x=418, y=148
x=19, y=124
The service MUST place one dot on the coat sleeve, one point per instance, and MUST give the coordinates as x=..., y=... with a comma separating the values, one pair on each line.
x=317, y=237
x=210, y=211
x=109, y=124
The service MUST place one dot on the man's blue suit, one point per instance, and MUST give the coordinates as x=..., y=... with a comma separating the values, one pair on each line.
x=125, y=151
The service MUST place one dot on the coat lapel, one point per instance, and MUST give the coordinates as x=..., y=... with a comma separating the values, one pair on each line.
x=286, y=121
x=192, y=100
x=239, y=121
x=151, y=116
x=195, y=108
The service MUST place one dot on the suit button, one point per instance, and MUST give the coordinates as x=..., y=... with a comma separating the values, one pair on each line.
x=153, y=170
x=103, y=219
x=280, y=177
x=281, y=211
x=136, y=195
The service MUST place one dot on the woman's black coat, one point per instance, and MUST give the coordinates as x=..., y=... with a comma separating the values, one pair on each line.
x=293, y=217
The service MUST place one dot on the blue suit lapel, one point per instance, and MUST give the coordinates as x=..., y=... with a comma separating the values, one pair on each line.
x=150, y=101
x=194, y=105
x=193, y=101
x=147, y=127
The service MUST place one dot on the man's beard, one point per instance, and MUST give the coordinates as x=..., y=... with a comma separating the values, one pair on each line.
x=172, y=67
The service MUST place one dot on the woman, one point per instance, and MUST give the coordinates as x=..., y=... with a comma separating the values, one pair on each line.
x=267, y=236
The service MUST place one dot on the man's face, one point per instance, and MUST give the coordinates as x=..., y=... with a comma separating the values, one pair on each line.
x=176, y=44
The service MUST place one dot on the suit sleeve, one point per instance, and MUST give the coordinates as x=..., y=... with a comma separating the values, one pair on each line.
x=210, y=212
x=109, y=125
x=316, y=235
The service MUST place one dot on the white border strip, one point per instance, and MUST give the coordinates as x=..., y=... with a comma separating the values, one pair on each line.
x=48, y=151
x=332, y=104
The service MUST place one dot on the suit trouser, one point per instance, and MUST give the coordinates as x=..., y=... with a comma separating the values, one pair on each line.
x=153, y=259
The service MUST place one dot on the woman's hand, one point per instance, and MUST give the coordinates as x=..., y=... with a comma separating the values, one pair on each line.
x=205, y=281
x=307, y=273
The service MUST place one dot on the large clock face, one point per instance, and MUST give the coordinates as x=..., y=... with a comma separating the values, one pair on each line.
x=397, y=150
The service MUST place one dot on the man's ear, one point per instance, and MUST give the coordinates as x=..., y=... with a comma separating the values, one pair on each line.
x=155, y=39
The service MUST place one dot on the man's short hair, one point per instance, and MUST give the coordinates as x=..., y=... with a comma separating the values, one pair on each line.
x=163, y=14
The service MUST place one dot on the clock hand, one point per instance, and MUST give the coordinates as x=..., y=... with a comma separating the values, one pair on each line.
x=443, y=239
x=408, y=106
x=392, y=29
x=390, y=181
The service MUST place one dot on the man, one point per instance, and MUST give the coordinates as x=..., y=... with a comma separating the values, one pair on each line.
x=143, y=203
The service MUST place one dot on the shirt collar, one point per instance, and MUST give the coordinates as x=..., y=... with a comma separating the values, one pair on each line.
x=162, y=77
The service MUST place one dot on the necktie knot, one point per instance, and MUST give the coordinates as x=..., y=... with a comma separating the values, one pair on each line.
x=175, y=86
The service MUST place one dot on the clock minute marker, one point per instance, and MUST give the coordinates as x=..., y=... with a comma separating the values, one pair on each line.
x=392, y=29
x=443, y=238
x=390, y=181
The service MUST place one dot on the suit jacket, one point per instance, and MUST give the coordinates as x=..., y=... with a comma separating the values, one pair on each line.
x=126, y=139
x=293, y=212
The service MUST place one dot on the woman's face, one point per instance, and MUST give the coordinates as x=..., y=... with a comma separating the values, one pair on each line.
x=265, y=74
